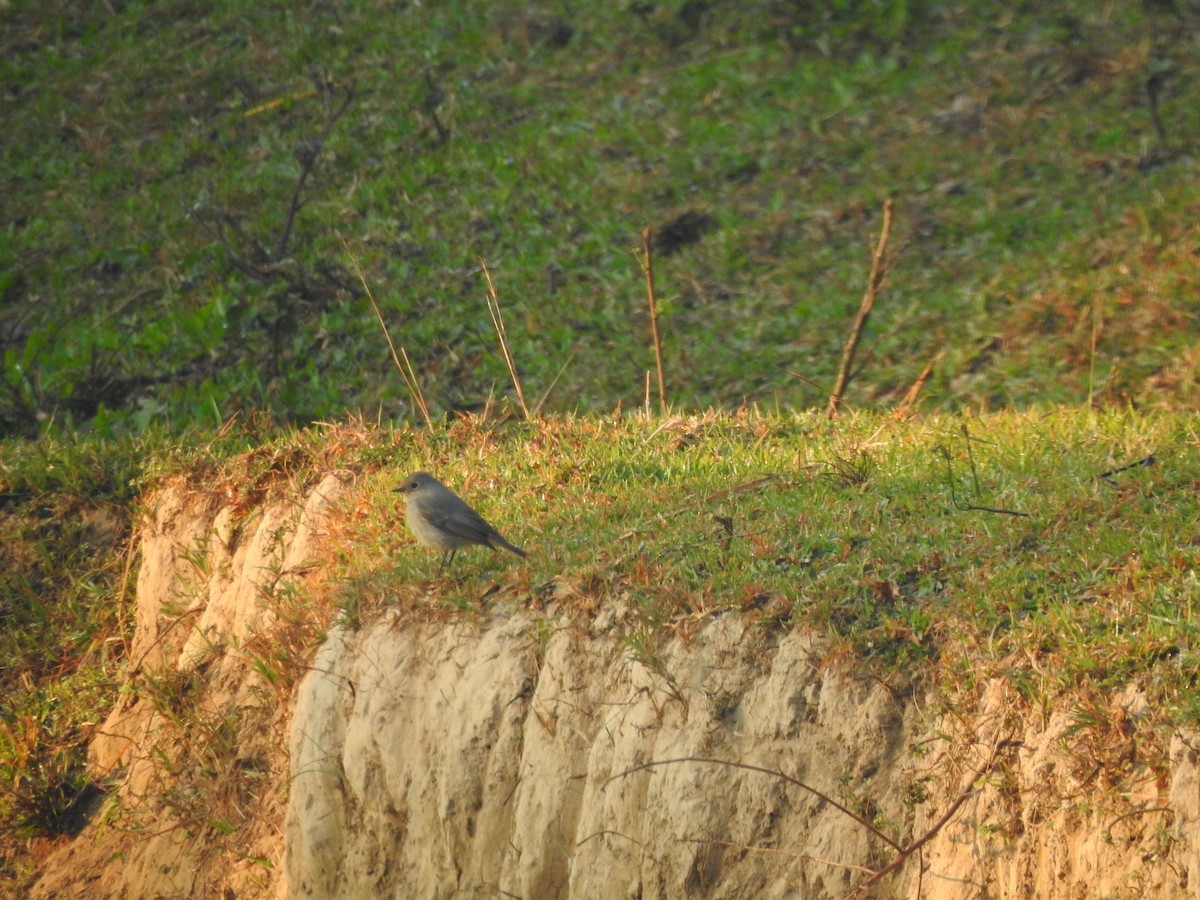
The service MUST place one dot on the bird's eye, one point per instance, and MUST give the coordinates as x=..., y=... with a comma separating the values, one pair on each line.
x=412, y=485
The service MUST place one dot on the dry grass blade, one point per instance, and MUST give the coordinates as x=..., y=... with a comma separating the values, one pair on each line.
x=493, y=302
x=537, y=407
x=405, y=368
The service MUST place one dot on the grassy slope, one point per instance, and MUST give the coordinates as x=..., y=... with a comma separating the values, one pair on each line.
x=1038, y=211
x=949, y=550
x=964, y=542
x=1048, y=256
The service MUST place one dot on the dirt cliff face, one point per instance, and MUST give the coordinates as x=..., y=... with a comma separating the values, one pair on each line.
x=537, y=755
x=460, y=759
x=466, y=760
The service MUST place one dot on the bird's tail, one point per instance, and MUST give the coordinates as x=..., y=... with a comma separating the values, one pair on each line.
x=498, y=541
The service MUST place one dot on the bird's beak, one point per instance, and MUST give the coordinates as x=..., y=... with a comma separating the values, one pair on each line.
x=398, y=490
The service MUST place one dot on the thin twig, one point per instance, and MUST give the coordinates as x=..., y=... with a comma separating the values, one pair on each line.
x=879, y=270
x=607, y=831
x=970, y=507
x=773, y=772
x=1154, y=86
x=1092, y=350
x=1144, y=461
x=131, y=548
x=901, y=412
x=493, y=303
x=903, y=856
x=648, y=268
x=405, y=369
x=306, y=154
x=966, y=432
x=791, y=854
x=295, y=96
x=1143, y=811
x=261, y=271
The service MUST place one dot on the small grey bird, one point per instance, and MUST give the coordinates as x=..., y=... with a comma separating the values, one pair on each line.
x=441, y=519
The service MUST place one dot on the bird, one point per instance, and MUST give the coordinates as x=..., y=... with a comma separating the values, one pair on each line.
x=441, y=519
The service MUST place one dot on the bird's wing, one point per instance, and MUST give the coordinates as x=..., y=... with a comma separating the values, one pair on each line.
x=466, y=524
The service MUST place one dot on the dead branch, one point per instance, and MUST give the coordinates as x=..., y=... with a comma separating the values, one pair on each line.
x=791, y=854
x=306, y=154
x=247, y=253
x=900, y=413
x=405, y=368
x=971, y=507
x=879, y=270
x=971, y=789
x=648, y=267
x=903, y=854
x=773, y=772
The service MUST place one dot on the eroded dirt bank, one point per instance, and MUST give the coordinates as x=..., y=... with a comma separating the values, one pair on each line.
x=529, y=754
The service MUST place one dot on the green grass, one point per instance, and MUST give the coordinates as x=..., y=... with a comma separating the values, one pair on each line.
x=65, y=582
x=1032, y=192
x=864, y=530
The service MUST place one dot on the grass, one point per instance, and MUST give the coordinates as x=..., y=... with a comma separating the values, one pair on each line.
x=950, y=550
x=65, y=579
x=1034, y=199
x=150, y=326
x=862, y=530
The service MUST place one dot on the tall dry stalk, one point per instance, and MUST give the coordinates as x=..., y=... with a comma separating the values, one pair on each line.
x=648, y=268
x=405, y=369
x=493, y=302
x=879, y=270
